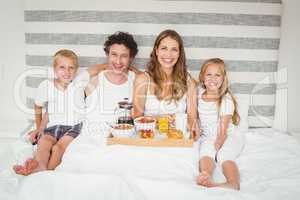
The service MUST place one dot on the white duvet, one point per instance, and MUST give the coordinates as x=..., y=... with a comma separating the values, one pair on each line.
x=269, y=165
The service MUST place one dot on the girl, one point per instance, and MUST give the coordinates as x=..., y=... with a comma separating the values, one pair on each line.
x=166, y=87
x=220, y=142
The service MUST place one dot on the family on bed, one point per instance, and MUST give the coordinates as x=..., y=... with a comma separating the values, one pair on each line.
x=165, y=87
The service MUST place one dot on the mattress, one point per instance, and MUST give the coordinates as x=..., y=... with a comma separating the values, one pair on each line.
x=269, y=167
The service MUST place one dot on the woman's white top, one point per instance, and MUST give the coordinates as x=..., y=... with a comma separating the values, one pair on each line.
x=209, y=114
x=64, y=107
x=101, y=104
x=154, y=106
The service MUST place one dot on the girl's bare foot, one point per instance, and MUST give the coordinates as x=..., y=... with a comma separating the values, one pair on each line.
x=205, y=179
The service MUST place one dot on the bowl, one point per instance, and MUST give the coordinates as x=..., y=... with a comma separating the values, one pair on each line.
x=123, y=130
x=145, y=123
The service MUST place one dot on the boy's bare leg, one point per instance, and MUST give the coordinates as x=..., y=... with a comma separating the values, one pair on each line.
x=207, y=166
x=41, y=158
x=58, y=150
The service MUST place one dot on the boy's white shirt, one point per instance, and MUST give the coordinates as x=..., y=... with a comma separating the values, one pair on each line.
x=64, y=107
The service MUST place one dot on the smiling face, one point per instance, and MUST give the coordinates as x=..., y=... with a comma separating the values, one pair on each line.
x=118, y=58
x=65, y=69
x=213, y=78
x=167, y=53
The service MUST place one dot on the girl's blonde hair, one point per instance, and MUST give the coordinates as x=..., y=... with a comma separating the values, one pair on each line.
x=68, y=54
x=179, y=74
x=224, y=87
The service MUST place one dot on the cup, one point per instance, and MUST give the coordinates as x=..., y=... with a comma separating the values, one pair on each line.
x=181, y=122
x=163, y=124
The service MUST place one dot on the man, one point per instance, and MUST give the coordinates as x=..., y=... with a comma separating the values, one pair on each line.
x=108, y=87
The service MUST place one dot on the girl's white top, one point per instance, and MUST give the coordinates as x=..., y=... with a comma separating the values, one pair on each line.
x=209, y=114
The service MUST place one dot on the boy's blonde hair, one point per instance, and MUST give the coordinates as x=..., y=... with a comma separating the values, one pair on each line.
x=68, y=54
x=224, y=87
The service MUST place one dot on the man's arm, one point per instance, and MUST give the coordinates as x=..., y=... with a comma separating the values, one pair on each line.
x=96, y=69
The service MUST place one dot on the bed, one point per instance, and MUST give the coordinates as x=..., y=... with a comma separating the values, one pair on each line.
x=246, y=34
x=269, y=165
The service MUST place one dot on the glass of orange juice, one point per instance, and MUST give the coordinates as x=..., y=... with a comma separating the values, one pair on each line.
x=163, y=124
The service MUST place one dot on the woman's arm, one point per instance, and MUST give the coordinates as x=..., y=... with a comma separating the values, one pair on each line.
x=139, y=94
x=192, y=109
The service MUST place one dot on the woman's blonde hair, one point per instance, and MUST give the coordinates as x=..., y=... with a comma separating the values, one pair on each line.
x=179, y=74
x=68, y=54
x=224, y=87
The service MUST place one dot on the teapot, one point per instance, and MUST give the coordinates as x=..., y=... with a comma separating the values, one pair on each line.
x=123, y=112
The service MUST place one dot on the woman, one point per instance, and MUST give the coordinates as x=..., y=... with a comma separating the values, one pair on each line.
x=166, y=87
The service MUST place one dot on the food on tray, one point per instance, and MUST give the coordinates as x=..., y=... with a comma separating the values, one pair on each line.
x=123, y=126
x=175, y=134
x=146, y=134
x=145, y=123
x=123, y=130
x=146, y=119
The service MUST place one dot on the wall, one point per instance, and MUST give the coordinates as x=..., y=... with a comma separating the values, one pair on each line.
x=12, y=61
x=289, y=59
x=243, y=33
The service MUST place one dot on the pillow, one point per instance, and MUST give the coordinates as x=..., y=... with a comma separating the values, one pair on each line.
x=243, y=101
x=280, y=120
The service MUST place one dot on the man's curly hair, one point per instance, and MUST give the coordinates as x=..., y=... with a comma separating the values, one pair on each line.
x=121, y=38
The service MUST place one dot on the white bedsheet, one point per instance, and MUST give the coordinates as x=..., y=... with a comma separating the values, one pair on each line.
x=269, y=165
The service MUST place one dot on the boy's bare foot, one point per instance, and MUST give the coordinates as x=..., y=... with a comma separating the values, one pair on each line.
x=29, y=167
x=19, y=169
x=205, y=179
x=32, y=166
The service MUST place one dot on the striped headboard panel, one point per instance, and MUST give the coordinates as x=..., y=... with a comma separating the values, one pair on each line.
x=245, y=33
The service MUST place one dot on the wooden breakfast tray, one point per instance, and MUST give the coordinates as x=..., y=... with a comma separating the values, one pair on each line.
x=155, y=142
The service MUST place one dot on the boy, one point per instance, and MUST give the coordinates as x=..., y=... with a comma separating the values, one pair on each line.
x=58, y=97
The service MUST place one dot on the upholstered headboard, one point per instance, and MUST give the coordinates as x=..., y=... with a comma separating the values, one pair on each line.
x=245, y=33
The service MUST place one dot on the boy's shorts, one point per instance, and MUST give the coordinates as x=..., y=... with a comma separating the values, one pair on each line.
x=59, y=131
